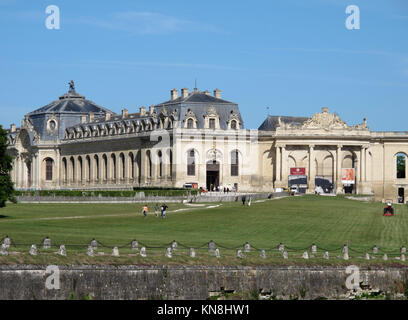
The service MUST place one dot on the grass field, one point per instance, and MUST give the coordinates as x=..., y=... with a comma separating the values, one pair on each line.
x=329, y=222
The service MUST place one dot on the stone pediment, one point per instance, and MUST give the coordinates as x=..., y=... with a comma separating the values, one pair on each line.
x=324, y=120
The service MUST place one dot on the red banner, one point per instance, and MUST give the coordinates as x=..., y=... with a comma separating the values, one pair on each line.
x=298, y=171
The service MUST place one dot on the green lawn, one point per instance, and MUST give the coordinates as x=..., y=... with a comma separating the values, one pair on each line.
x=298, y=222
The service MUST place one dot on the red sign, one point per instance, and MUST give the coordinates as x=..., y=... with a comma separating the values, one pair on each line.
x=297, y=171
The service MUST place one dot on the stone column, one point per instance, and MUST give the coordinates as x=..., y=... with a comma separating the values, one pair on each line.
x=312, y=173
x=339, y=185
x=278, y=167
x=143, y=169
x=284, y=166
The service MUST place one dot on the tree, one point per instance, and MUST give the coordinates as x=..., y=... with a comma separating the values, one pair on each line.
x=6, y=185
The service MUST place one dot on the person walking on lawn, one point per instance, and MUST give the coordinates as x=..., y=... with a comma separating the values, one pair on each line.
x=164, y=210
x=145, y=210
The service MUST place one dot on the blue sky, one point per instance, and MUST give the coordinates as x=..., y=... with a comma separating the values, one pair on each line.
x=294, y=56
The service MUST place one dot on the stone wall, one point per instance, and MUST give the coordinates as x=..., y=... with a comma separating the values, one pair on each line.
x=192, y=282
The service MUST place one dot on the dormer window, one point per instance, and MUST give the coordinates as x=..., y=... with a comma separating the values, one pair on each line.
x=190, y=124
x=233, y=125
x=211, y=123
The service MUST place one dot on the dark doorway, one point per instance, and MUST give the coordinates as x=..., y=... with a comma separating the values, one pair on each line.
x=400, y=195
x=348, y=189
x=213, y=175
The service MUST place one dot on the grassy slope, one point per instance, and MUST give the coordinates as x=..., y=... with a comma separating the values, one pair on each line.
x=297, y=221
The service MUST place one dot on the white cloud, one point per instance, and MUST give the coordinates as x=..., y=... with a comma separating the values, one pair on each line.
x=146, y=23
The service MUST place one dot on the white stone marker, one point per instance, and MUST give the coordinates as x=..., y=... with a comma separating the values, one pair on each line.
x=385, y=257
x=247, y=247
x=262, y=254
x=211, y=246
x=90, y=251
x=135, y=245
x=239, y=254
x=3, y=250
x=33, y=250
x=115, y=252
x=281, y=247
x=367, y=256
x=94, y=244
x=402, y=257
x=285, y=255
x=346, y=256
x=404, y=250
x=7, y=242
x=62, y=251
x=143, y=252
x=168, y=253
x=375, y=250
x=314, y=248
x=192, y=253
x=326, y=255
x=217, y=253
x=47, y=243
x=305, y=255
x=174, y=245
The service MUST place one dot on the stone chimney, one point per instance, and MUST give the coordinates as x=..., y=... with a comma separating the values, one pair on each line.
x=217, y=93
x=151, y=110
x=12, y=127
x=207, y=92
x=184, y=93
x=91, y=117
x=142, y=111
x=107, y=116
x=173, y=94
x=83, y=118
x=124, y=113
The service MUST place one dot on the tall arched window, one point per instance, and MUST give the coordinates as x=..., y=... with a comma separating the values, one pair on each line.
x=191, y=163
x=96, y=158
x=49, y=163
x=80, y=171
x=149, y=163
x=190, y=123
x=160, y=156
x=401, y=165
x=64, y=170
x=132, y=165
x=234, y=163
x=105, y=167
x=113, y=159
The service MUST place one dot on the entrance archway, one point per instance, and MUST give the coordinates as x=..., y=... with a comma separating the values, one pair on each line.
x=213, y=175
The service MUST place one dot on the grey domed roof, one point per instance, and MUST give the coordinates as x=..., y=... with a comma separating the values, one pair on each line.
x=71, y=102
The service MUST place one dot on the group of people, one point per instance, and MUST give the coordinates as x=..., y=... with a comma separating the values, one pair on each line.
x=163, y=210
x=221, y=189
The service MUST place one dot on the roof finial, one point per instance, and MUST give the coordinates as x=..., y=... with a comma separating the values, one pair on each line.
x=71, y=86
x=195, y=85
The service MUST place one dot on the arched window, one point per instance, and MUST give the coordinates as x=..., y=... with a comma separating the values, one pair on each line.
x=96, y=158
x=64, y=170
x=190, y=123
x=401, y=163
x=49, y=163
x=149, y=163
x=191, y=163
x=234, y=163
x=160, y=156
x=132, y=165
x=233, y=124
x=105, y=167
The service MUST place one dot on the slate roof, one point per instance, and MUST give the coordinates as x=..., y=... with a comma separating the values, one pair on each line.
x=71, y=102
x=271, y=122
x=196, y=96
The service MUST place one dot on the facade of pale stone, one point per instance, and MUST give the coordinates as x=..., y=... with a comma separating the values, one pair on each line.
x=73, y=143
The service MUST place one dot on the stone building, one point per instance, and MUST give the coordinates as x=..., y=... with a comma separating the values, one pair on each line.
x=199, y=138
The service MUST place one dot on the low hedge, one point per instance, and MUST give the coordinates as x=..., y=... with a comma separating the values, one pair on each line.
x=163, y=192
